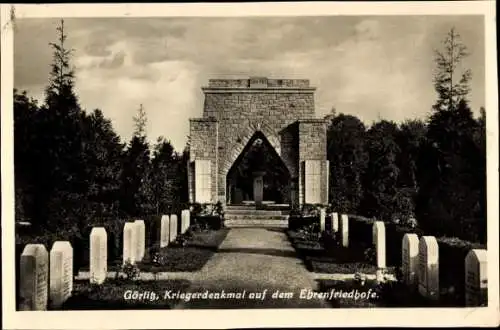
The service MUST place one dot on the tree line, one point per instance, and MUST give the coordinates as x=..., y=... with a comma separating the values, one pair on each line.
x=431, y=170
x=71, y=166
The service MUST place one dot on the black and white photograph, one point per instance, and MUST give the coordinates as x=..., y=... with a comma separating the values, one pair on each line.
x=328, y=164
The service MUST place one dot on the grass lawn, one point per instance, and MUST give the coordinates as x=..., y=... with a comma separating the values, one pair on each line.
x=199, y=249
x=334, y=260
x=192, y=257
x=112, y=294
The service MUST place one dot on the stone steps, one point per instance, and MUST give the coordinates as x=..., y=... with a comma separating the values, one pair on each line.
x=256, y=223
x=256, y=212
x=254, y=216
x=250, y=216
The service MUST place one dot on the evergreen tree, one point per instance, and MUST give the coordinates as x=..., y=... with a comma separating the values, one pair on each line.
x=450, y=82
x=102, y=150
x=410, y=138
x=451, y=194
x=25, y=133
x=140, y=123
x=182, y=187
x=164, y=167
x=136, y=187
x=480, y=173
x=347, y=156
x=382, y=173
x=60, y=170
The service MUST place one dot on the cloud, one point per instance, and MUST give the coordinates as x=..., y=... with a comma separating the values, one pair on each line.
x=114, y=62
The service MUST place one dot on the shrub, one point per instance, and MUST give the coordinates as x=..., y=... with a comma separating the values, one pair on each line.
x=182, y=239
x=370, y=256
x=207, y=209
x=330, y=240
x=207, y=222
x=131, y=271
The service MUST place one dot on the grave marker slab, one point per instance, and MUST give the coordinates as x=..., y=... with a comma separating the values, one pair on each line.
x=476, y=278
x=98, y=255
x=61, y=273
x=185, y=220
x=428, y=267
x=379, y=242
x=322, y=220
x=34, y=273
x=344, y=230
x=129, y=242
x=164, y=231
x=335, y=222
x=409, y=259
x=141, y=239
x=173, y=227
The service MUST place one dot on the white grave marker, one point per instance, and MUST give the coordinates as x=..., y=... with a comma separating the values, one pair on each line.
x=185, y=220
x=379, y=242
x=322, y=220
x=344, y=230
x=409, y=259
x=164, y=231
x=129, y=242
x=98, y=255
x=34, y=273
x=428, y=267
x=61, y=272
x=476, y=278
x=141, y=239
x=335, y=222
x=173, y=227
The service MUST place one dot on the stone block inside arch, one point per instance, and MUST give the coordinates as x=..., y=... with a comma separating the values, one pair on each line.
x=244, y=119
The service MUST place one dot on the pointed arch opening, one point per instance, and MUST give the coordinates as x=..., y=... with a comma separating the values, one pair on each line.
x=258, y=174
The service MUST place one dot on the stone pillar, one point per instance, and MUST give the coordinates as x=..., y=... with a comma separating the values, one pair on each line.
x=428, y=268
x=335, y=222
x=476, y=278
x=61, y=273
x=129, y=242
x=141, y=239
x=409, y=260
x=98, y=255
x=379, y=243
x=258, y=187
x=344, y=230
x=173, y=227
x=322, y=219
x=34, y=273
x=164, y=231
x=185, y=220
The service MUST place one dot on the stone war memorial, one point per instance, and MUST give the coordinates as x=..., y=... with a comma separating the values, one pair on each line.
x=258, y=142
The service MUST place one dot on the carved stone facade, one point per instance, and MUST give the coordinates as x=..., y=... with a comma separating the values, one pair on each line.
x=234, y=111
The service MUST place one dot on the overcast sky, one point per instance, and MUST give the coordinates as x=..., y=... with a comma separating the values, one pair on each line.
x=369, y=66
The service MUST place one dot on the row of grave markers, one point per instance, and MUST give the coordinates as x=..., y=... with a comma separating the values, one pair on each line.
x=134, y=242
x=420, y=260
x=341, y=227
x=36, y=289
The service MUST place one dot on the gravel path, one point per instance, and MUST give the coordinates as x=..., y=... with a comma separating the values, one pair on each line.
x=251, y=265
